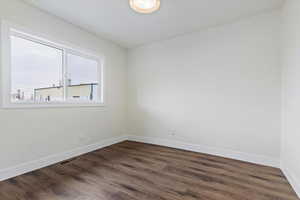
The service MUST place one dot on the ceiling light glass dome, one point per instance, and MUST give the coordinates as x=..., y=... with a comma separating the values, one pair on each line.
x=145, y=6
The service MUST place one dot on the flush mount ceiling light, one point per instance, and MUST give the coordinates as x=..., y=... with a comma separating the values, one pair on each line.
x=145, y=6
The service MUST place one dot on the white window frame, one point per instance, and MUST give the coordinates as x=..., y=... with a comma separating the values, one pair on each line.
x=7, y=30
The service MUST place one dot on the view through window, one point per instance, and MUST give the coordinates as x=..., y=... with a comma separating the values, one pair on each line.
x=82, y=81
x=40, y=75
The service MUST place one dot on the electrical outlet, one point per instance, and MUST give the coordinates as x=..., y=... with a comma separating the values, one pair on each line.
x=172, y=133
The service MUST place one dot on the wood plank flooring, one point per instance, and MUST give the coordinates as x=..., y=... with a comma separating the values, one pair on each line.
x=136, y=171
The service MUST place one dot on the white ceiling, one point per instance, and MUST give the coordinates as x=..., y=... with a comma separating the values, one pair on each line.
x=114, y=20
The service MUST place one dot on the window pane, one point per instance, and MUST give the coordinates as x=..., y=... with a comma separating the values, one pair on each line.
x=83, y=78
x=36, y=72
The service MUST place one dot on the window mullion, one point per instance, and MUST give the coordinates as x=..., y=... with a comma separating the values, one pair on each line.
x=65, y=74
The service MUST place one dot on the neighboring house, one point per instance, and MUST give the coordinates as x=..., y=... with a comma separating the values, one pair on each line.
x=86, y=91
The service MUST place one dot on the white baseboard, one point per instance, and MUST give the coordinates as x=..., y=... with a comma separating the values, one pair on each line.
x=50, y=160
x=252, y=158
x=292, y=179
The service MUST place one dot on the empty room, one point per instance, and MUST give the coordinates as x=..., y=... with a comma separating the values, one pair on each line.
x=149, y=100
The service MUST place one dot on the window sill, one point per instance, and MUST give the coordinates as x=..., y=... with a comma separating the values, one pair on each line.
x=52, y=105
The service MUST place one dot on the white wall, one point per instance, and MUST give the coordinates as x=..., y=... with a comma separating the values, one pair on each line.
x=291, y=93
x=219, y=88
x=30, y=134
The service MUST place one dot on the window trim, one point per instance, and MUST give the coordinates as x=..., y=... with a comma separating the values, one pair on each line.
x=7, y=30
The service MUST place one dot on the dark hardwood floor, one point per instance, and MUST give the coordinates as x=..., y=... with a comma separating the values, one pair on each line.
x=136, y=171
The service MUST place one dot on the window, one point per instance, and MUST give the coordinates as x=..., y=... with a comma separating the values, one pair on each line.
x=83, y=81
x=36, y=72
x=40, y=73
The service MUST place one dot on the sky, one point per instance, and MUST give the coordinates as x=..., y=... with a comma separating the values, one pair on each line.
x=36, y=66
